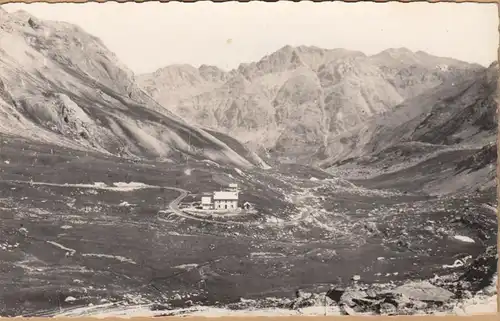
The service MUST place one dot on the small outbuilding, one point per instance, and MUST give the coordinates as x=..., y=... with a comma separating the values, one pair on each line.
x=247, y=205
x=206, y=202
x=233, y=187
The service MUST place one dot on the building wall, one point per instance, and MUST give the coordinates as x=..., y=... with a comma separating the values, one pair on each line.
x=226, y=204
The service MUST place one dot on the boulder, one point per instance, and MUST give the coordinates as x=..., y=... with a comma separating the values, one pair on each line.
x=335, y=294
x=387, y=309
x=372, y=228
x=308, y=300
x=396, y=299
x=424, y=291
x=350, y=295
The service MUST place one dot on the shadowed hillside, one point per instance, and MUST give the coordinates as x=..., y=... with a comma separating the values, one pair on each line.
x=61, y=85
x=453, y=126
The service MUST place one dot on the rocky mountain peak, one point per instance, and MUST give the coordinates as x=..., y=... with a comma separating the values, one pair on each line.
x=398, y=52
x=397, y=57
x=212, y=73
x=493, y=65
x=181, y=73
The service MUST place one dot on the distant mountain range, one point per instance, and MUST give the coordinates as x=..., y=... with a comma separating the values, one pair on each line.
x=293, y=102
x=60, y=85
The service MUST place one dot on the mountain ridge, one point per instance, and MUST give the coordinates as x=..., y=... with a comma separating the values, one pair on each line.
x=62, y=85
x=299, y=97
x=293, y=105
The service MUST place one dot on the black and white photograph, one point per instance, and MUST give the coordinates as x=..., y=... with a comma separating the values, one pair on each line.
x=248, y=159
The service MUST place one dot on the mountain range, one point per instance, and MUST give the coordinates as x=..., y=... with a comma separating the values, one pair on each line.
x=61, y=85
x=295, y=101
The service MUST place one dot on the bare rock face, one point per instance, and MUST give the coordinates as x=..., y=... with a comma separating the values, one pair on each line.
x=295, y=100
x=452, y=113
x=61, y=85
x=457, y=117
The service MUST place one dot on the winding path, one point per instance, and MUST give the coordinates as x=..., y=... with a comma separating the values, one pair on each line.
x=173, y=205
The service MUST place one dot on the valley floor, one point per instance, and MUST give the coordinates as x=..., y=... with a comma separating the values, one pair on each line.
x=82, y=230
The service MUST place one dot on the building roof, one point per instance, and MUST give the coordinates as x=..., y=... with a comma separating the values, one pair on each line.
x=228, y=196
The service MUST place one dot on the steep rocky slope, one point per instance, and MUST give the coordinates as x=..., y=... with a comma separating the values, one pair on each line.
x=450, y=130
x=457, y=113
x=294, y=100
x=62, y=86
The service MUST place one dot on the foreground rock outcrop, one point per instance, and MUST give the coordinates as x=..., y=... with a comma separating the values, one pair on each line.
x=446, y=294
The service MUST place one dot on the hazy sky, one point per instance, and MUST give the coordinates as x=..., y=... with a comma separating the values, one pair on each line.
x=149, y=36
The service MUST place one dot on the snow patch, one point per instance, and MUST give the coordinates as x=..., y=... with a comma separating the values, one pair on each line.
x=119, y=186
x=125, y=187
x=107, y=256
x=266, y=255
x=457, y=263
x=186, y=266
x=239, y=171
x=62, y=247
x=465, y=239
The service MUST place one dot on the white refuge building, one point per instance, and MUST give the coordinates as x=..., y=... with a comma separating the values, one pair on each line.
x=226, y=200
x=221, y=200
